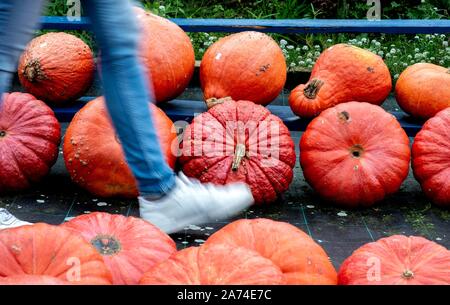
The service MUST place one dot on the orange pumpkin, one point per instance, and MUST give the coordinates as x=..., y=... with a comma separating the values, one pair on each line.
x=42, y=249
x=355, y=154
x=130, y=246
x=430, y=158
x=301, y=260
x=214, y=265
x=94, y=156
x=167, y=52
x=56, y=67
x=397, y=260
x=26, y=279
x=244, y=66
x=423, y=89
x=342, y=73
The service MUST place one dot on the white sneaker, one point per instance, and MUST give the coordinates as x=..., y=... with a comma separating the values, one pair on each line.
x=8, y=220
x=193, y=203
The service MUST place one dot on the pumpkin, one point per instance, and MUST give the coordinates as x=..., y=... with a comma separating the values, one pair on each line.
x=301, y=260
x=354, y=154
x=26, y=279
x=423, y=89
x=167, y=52
x=214, y=265
x=56, y=67
x=43, y=249
x=93, y=154
x=29, y=140
x=130, y=246
x=341, y=74
x=397, y=260
x=245, y=66
x=240, y=141
x=430, y=158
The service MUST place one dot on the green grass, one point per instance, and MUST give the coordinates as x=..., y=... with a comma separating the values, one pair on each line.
x=301, y=51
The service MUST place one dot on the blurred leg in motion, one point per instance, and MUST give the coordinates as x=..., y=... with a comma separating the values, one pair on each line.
x=19, y=19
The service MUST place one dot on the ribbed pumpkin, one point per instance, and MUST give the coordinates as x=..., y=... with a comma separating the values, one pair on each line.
x=430, y=158
x=130, y=246
x=56, y=67
x=26, y=279
x=42, y=249
x=29, y=140
x=423, y=89
x=167, y=52
x=341, y=74
x=397, y=260
x=354, y=154
x=94, y=156
x=245, y=66
x=240, y=141
x=214, y=265
x=301, y=260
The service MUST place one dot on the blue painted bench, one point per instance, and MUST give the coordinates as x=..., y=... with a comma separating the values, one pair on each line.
x=185, y=110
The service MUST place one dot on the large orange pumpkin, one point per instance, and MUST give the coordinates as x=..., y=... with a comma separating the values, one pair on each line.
x=342, y=73
x=240, y=141
x=25, y=279
x=29, y=140
x=354, y=154
x=301, y=260
x=56, y=67
x=94, y=156
x=42, y=249
x=214, y=265
x=130, y=246
x=245, y=66
x=397, y=260
x=430, y=158
x=167, y=52
x=423, y=90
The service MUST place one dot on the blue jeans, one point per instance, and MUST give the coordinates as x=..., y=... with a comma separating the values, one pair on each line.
x=124, y=79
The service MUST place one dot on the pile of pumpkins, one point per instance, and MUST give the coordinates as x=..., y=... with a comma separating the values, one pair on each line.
x=102, y=249
x=353, y=153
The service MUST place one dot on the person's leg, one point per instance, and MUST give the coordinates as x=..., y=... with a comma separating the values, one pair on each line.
x=127, y=93
x=19, y=20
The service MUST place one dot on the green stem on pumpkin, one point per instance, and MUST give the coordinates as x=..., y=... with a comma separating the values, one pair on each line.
x=239, y=153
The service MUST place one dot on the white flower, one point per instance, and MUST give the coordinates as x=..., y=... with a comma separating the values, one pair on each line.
x=381, y=53
x=162, y=8
x=393, y=51
x=329, y=40
x=293, y=64
x=283, y=42
x=301, y=63
x=305, y=48
x=417, y=50
x=396, y=76
x=317, y=47
x=290, y=47
x=445, y=44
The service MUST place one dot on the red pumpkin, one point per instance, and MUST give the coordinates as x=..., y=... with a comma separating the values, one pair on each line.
x=94, y=156
x=130, y=246
x=397, y=260
x=430, y=158
x=214, y=265
x=423, y=90
x=341, y=74
x=56, y=67
x=26, y=279
x=246, y=66
x=42, y=249
x=301, y=260
x=167, y=52
x=240, y=141
x=354, y=154
x=29, y=140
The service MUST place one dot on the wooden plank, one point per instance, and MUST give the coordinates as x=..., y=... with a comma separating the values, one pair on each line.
x=299, y=26
x=185, y=110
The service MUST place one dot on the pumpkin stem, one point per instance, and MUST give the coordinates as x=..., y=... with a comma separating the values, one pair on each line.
x=211, y=102
x=356, y=151
x=2, y=133
x=106, y=244
x=312, y=88
x=32, y=71
x=239, y=153
x=408, y=274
